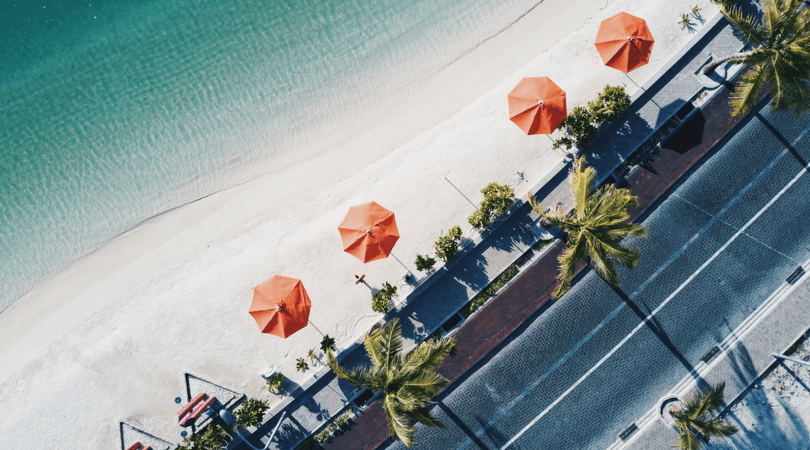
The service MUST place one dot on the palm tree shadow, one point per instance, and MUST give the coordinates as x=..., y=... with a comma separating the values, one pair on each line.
x=742, y=364
x=793, y=374
x=654, y=326
x=456, y=420
x=767, y=428
x=495, y=436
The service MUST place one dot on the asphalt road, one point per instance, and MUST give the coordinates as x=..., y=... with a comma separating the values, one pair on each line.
x=589, y=364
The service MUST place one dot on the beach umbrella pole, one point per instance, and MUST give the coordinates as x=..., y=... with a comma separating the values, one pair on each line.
x=643, y=90
x=459, y=191
x=564, y=155
x=316, y=328
x=400, y=262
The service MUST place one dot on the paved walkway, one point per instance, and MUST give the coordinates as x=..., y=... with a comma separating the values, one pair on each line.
x=740, y=362
x=432, y=305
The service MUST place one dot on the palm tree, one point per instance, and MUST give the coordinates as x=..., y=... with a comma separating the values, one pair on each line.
x=695, y=415
x=301, y=365
x=781, y=56
x=595, y=226
x=407, y=382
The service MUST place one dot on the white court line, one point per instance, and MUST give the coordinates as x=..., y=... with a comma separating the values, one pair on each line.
x=664, y=303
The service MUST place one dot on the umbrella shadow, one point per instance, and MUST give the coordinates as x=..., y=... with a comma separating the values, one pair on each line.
x=688, y=136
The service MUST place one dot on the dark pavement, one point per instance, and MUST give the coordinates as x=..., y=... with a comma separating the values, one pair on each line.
x=522, y=303
x=584, y=367
x=430, y=305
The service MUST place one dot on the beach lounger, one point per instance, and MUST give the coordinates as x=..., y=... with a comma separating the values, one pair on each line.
x=184, y=412
x=269, y=371
x=135, y=446
x=194, y=415
x=148, y=447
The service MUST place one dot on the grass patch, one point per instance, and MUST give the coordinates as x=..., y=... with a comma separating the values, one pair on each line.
x=792, y=349
x=490, y=290
x=541, y=244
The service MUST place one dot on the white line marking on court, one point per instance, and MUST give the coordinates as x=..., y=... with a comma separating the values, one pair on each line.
x=689, y=382
x=664, y=303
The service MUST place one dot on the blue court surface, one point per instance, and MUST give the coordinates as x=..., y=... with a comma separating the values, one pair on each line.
x=594, y=361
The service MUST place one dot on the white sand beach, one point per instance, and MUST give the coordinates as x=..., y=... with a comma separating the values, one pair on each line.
x=109, y=338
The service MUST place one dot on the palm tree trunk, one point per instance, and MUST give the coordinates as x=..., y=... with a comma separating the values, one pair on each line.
x=715, y=64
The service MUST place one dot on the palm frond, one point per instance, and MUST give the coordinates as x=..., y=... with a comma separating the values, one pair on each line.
x=428, y=355
x=713, y=397
x=568, y=260
x=688, y=441
x=582, y=185
x=390, y=337
x=622, y=230
x=718, y=428
x=557, y=219
x=797, y=95
x=360, y=377
x=607, y=246
x=423, y=383
x=408, y=399
x=695, y=405
x=423, y=416
x=399, y=426
x=375, y=348
x=601, y=258
x=771, y=19
x=747, y=25
x=747, y=90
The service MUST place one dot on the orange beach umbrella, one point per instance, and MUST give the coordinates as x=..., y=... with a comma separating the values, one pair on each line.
x=537, y=105
x=280, y=306
x=624, y=42
x=369, y=232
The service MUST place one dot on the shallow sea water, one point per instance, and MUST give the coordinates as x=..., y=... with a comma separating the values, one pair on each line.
x=115, y=111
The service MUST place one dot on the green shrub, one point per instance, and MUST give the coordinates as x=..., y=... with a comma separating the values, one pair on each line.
x=582, y=124
x=447, y=246
x=491, y=289
x=308, y=444
x=327, y=343
x=331, y=428
x=341, y=420
x=424, y=263
x=301, y=365
x=497, y=199
x=381, y=301
x=323, y=436
x=251, y=413
x=312, y=355
x=274, y=382
x=213, y=438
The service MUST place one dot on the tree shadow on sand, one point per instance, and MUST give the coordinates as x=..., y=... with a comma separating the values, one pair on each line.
x=765, y=431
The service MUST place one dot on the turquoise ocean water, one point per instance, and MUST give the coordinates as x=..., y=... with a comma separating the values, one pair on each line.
x=112, y=112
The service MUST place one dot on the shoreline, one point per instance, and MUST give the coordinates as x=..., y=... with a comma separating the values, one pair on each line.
x=152, y=296
x=99, y=265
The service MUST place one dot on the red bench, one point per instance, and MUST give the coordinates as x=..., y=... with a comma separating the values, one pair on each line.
x=194, y=415
x=135, y=446
x=183, y=412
